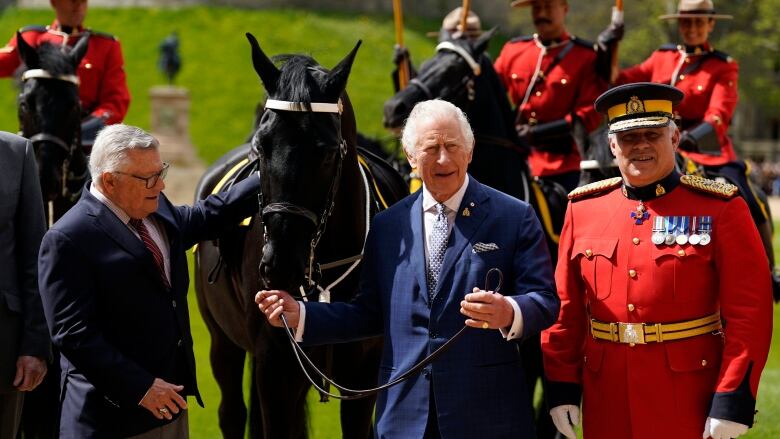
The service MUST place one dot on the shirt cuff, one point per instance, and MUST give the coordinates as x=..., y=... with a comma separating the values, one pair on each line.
x=301, y=322
x=516, y=330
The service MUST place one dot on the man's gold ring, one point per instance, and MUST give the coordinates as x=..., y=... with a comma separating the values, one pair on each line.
x=163, y=411
x=485, y=325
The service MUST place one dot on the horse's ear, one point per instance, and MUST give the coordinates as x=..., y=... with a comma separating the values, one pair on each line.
x=79, y=50
x=265, y=69
x=337, y=79
x=480, y=46
x=27, y=53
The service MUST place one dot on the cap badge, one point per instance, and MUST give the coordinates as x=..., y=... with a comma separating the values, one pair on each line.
x=635, y=105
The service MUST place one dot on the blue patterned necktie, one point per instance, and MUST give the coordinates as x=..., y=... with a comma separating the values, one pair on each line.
x=439, y=235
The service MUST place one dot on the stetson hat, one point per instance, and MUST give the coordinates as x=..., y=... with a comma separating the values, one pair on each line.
x=523, y=3
x=695, y=8
x=451, y=23
x=638, y=105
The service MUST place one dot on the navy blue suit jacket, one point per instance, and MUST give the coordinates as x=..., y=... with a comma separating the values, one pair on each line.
x=478, y=384
x=116, y=325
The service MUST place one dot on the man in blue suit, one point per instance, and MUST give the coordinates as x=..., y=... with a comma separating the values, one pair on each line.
x=423, y=255
x=113, y=280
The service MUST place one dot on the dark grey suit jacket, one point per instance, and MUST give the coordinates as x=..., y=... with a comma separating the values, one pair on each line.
x=23, y=329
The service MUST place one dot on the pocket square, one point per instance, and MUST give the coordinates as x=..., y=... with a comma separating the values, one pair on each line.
x=481, y=247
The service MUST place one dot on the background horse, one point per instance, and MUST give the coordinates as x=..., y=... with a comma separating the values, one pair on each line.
x=315, y=203
x=49, y=115
x=460, y=72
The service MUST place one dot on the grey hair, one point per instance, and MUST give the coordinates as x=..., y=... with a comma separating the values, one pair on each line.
x=612, y=137
x=435, y=109
x=111, y=146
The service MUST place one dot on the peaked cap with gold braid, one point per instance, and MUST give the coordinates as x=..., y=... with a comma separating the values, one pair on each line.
x=638, y=105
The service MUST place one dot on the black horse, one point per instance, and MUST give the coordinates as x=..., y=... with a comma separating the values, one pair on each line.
x=316, y=204
x=460, y=72
x=49, y=115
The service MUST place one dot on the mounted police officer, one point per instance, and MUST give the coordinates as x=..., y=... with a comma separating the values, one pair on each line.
x=708, y=77
x=103, y=89
x=666, y=313
x=552, y=79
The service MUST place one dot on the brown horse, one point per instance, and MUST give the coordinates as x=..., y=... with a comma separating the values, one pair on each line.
x=316, y=204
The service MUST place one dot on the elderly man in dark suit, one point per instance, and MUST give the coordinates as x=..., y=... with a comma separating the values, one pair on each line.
x=113, y=277
x=425, y=258
x=24, y=341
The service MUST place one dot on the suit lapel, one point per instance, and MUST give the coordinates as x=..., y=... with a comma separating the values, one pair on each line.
x=417, y=239
x=476, y=201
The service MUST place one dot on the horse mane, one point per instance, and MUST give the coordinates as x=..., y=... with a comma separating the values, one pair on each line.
x=54, y=61
x=294, y=82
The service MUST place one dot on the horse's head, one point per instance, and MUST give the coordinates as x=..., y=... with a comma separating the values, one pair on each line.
x=301, y=140
x=49, y=108
x=449, y=75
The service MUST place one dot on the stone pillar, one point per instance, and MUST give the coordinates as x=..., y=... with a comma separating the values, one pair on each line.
x=170, y=112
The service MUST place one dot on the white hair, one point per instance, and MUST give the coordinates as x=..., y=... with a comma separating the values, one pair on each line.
x=111, y=146
x=435, y=109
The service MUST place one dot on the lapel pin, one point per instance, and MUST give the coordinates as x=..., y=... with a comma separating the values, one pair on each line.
x=466, y=212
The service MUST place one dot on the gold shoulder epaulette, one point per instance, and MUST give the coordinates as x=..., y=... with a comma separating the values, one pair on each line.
x=595, y=187
x=723, y=190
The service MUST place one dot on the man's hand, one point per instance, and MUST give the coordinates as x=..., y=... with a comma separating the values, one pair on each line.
x=525, y=133
x=163, y=399
x=29, y=372
x=565, y=417
x=486, y=309
x=273, y=302
x=400, y=54
x=722, y=429
x=688, y=142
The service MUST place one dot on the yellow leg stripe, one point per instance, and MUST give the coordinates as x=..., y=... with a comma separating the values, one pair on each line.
x=544, y=209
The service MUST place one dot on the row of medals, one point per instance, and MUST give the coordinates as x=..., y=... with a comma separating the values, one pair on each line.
x=694, y=230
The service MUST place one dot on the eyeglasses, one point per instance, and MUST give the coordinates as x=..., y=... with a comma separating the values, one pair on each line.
x=150, y=181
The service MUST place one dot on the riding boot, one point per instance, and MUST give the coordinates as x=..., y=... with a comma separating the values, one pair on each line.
x=765, y=232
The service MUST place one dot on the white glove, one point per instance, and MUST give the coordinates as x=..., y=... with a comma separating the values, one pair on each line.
x=719, y=429
x=564, y=416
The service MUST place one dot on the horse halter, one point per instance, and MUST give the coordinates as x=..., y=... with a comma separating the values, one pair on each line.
x=283, y=207
x=48, y=137
x=467, y=81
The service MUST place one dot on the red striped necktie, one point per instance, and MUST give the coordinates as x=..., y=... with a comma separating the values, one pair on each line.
x=143, y=232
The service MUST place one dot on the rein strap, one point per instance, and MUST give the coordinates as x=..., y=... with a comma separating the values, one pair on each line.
x=316, y=107
x=43, y=74
x=447, y=45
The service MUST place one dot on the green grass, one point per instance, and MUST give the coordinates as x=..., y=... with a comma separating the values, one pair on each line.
x=224, y=88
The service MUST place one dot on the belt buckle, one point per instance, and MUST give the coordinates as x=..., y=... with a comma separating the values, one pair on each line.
x=631, y=333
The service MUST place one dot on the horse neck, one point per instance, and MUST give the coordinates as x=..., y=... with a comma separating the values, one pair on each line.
x=490, y=101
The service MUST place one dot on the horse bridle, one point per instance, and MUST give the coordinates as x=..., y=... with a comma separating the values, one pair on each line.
x=283, y=207
x=467, y=81
x=48, y=137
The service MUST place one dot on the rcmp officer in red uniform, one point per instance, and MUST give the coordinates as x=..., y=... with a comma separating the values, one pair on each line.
x=708, y=77
x=551, y=77
x=103, y=89
x=666, y=313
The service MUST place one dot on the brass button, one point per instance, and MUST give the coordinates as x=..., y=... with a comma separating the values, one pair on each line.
x=538, y=93
x=681, y=252
x=564, y=81
x=699, y=87
x=87, y=66
x=588, y=252
x=703, y=362
x=632, y=273
x=631, y=345
x=635, y=241
x=687, y=60
x=533, y=114
x=585, y=359
x=631, y=307
x=514, y=75
x=682, y=77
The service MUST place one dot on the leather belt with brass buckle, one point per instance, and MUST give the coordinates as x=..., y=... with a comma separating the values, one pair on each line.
x=643, y=333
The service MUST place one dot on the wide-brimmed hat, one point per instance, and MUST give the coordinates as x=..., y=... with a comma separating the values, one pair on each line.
x=638, y=105
x=451, y=24
x=695, y=8
x=522, y=3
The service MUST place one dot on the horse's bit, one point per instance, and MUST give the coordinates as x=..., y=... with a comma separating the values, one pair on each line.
x=363, y=393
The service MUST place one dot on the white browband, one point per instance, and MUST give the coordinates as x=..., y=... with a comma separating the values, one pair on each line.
x=316, y=107
x=446, y=45
x=40, y=73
